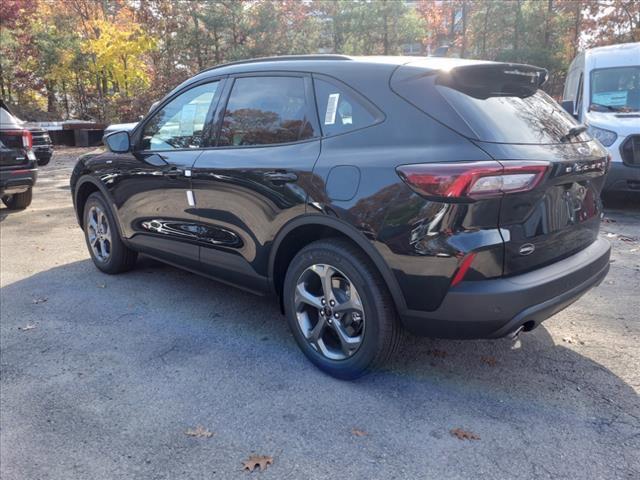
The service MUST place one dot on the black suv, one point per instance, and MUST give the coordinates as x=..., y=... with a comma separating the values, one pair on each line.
x=450, y=197
x=18, y=163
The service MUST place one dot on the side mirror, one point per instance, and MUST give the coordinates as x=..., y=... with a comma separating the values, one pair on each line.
x=570, y=107
x=118, y=142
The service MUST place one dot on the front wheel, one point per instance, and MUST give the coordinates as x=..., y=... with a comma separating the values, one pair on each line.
x=19, y=201
x=108, y=251
x=339, y=309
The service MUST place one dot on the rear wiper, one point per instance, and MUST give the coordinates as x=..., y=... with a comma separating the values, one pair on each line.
x=573, y=132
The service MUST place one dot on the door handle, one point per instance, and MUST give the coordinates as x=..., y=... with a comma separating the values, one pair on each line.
x=173, y=172
x=280, y=177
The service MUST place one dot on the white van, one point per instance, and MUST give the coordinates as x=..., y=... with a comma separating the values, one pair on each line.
x=602, y=91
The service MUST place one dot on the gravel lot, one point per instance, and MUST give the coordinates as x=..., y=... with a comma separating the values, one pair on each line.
x=101, y=376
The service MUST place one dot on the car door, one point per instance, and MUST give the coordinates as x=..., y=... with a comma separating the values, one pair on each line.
x=256, y=179
x=154, y=184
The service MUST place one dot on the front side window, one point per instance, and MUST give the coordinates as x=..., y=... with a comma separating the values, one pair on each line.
x=266, y=111
x=339, y=108
x=615, y=89
x=182, y=122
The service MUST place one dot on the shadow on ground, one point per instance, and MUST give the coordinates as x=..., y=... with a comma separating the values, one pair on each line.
x=117, y=367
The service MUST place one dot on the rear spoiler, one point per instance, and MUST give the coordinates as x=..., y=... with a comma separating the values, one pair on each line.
x=486, y=80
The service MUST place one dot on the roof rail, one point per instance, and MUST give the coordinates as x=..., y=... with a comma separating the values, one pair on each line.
x=281, y=58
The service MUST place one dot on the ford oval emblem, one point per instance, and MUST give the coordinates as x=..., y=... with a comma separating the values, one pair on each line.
x=527, y=249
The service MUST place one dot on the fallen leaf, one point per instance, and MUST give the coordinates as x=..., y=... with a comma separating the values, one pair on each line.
x=40, y=300
x=461, y=434
x=627, y=239
x=491, y=361
x=254, y=461
x=437, y=353
x=358, y=433
x=199, y=432
x=27, y=327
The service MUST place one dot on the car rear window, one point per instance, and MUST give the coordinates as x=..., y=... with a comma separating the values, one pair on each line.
x=493, y=105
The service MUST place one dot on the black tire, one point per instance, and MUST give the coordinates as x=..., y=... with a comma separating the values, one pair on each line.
x=43, y=161
x=382, y=331
x=120, y=258
x=18, y=201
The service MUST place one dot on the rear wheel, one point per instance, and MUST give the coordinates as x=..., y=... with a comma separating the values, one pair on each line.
x=108, y=251
x=339, y=309
x=18, y=201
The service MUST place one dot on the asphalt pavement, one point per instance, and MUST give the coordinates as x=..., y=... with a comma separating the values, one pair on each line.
x=161, y=374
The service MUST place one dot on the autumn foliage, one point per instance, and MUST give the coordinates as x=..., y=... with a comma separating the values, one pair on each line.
x=109, y=60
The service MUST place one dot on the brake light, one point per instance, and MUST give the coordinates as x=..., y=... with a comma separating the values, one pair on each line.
x=27, y=139
x=460, y=180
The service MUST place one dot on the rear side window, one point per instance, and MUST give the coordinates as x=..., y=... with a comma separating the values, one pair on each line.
x=266, y=111
x=341, y=109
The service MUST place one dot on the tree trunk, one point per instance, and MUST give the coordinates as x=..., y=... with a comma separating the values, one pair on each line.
x=463, y=45
x=484, y=31
x=51, y=96
x=2, y=90
x=196, y=36
x=547, y=24
x=385, y=34
x=516, y=27
x=66, y=98
x=577, y=27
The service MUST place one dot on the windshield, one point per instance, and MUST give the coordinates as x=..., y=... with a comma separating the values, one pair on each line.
x=615, y=89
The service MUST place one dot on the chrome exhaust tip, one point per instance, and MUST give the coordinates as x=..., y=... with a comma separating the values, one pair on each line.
x=516, y=333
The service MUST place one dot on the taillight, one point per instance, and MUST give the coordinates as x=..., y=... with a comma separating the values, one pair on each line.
x=460, y=180
x=27, y=139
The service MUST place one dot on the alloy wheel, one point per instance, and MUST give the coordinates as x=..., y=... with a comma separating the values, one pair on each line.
x=99, y=234
x=329, y=311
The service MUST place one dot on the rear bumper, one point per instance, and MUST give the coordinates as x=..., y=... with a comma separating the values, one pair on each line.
x=622, y=178
x=495, y=308
x=17, y=181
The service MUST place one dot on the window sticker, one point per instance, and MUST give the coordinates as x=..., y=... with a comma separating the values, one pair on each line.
x=332, y=107
x=614, y=99
x=187, y=118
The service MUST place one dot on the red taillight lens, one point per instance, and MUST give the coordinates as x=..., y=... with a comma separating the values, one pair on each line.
x=27, y=139
x=472, y=179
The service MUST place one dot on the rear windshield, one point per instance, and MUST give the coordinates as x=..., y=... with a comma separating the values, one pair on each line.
x=485, y=107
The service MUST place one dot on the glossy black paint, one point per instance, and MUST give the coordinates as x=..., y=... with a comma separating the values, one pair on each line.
x=251, y=200
x=18, y=167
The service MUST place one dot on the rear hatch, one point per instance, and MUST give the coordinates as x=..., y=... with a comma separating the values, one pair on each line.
x=501, y=109
x=12, y=149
